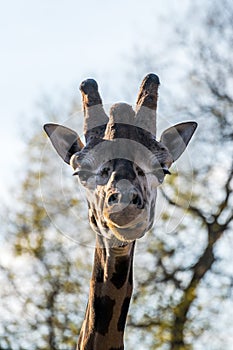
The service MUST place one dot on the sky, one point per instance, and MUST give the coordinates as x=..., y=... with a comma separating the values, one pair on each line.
x=50, y=46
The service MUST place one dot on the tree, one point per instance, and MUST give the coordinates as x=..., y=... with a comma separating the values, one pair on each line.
x=189, y=275
x=183, y=267
x=46, y=273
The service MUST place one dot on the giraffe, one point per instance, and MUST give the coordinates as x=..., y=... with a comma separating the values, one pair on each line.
x=120, y=167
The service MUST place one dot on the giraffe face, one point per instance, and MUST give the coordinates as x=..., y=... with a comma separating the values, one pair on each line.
x=121, y=177
x=122, y=163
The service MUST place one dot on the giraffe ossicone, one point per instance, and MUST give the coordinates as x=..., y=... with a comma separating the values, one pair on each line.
x=120, y=166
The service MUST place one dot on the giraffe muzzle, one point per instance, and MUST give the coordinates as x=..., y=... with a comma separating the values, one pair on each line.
x=124, y=199
x=124, y=207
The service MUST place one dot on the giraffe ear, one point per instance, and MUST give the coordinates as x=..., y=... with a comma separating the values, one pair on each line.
x=177, y=138
x=65, y=141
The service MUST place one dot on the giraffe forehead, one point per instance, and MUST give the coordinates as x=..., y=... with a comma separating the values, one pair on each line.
x=139, y=148
x=123, y=168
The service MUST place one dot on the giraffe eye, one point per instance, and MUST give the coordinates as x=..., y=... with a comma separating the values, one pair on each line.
x=140, y=171
x=105, y=172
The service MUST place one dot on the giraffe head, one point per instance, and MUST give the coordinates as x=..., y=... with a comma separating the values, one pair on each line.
x=122, y=163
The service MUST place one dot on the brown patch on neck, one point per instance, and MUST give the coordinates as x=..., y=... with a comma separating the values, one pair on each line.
x=109, y=299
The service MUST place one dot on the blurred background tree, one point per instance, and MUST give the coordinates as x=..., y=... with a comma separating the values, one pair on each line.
x=44, y=288
x=183, y=267
x=187, y=294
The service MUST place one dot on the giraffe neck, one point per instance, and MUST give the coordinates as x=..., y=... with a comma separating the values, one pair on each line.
x=110, y=293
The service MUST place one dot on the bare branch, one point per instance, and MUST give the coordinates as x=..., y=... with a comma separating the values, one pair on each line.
x=192, y=209
x=213, y=88
x=224, y=204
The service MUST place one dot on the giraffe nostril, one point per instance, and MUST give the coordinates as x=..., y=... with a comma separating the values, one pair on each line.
x=126, y=198
x=113, y=199
x=136, y=200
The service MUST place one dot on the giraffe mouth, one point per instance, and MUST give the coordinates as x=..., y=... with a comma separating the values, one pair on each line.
x=131, y=231
x=124, y=209
x=126, y=217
